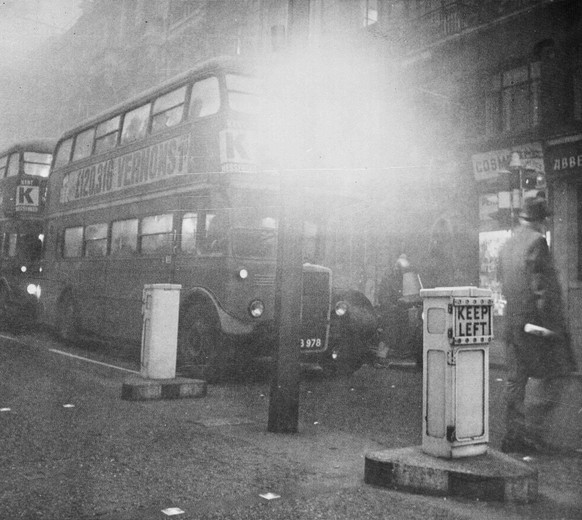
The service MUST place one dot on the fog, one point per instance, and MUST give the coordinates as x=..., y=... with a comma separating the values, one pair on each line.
x=26, y=24
x=27, y=29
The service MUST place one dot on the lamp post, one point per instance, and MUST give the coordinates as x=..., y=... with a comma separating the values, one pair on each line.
x=515, y=169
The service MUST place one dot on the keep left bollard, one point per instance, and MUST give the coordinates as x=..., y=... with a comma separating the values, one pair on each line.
x=457, y=331
x=454, y=458
x=157, y=378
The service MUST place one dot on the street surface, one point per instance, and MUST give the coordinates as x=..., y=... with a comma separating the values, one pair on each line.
x=72, y=449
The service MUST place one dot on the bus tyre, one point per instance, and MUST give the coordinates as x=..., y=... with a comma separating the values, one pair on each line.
x=67, y=319
x=199, y=344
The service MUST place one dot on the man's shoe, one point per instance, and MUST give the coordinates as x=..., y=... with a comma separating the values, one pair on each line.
x=520, y=446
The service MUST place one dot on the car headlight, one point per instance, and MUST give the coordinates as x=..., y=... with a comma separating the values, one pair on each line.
x=33, y=290
x=256, y=308
x=341, y=308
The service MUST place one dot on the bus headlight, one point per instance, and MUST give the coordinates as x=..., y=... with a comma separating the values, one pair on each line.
x=256, y=308
x=33, y=290
x=243, y=273
x=341, y=308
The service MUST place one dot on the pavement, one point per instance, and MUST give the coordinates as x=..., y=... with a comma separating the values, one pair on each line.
x=565, y=428
x=212, y=457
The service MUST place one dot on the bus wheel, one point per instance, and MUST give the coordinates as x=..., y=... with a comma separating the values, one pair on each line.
x=67, y=320
x=199, y=344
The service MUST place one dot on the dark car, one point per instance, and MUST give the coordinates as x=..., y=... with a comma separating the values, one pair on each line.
x=353, y=332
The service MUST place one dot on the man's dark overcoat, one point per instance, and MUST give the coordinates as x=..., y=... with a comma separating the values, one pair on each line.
x=532, y=290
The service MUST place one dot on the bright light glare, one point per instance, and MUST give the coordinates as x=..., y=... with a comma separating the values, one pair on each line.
x=341, y=308
x=330, y=110
x=33, y=290
x=256, y=308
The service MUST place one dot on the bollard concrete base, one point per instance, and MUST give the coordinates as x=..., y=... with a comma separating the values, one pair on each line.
x=491, y=476
x=137, y=388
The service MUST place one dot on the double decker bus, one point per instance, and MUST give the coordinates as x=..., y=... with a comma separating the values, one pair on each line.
x=165, y=188
x=24, y=171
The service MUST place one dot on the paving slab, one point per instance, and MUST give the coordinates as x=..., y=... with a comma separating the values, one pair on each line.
x=491, y=476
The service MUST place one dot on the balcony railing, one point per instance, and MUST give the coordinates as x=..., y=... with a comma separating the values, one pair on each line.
x=455, y=17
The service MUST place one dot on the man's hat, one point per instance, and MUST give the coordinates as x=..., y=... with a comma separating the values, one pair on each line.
x=535, y=209
x=402, y=262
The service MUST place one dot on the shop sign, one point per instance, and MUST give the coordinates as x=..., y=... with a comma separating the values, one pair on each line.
x=488, y=206
x=490, y=165
x=565, y=156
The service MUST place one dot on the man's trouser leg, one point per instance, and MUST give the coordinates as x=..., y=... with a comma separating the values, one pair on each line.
x=515, y=398
x=545, y=400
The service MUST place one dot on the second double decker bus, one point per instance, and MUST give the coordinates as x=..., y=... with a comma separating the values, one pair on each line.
x=24, y=171
x=165, y=188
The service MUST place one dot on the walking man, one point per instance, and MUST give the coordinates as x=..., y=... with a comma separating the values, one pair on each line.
x=537, y=342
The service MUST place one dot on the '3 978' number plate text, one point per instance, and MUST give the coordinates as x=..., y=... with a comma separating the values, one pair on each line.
x=309, y=343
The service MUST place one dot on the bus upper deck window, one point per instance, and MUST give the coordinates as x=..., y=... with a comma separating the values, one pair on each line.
x=13, y=165
x=37, y=164
x=3, y=162
x=135, y=124
x=205, y=98
x=64, y=152
x=243, y=93
x=84, y=144
x=168, y=109
x=106, y=134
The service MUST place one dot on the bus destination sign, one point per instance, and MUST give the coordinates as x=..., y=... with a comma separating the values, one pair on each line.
x=472, y=321
x=27, y=196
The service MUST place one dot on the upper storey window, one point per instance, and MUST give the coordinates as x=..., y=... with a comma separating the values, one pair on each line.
x=370, y=8
x=512, y=101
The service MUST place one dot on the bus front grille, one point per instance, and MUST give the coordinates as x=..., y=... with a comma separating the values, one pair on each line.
x=264, y=280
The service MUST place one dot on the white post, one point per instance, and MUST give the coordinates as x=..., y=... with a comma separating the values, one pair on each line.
x=160, y=308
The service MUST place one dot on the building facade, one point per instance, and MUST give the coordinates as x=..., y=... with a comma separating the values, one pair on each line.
x=513, y=74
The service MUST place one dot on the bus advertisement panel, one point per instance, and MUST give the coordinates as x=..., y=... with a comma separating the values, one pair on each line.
x=166, y=188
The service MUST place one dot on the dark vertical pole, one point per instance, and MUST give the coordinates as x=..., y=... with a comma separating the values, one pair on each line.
x=284, y=398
